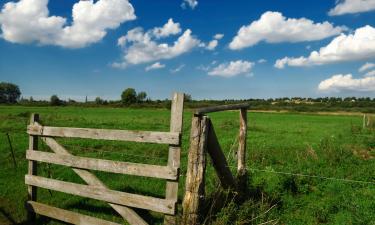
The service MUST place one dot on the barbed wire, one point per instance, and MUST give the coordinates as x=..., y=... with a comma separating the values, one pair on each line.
x=310, y=176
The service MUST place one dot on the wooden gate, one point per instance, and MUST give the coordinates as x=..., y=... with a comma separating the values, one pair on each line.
x=121, y=202
x=203, y=140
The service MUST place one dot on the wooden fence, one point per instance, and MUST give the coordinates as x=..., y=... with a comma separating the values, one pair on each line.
x=203, y=140
x=121, y=202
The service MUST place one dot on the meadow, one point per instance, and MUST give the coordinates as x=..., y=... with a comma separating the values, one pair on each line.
x=282, y=148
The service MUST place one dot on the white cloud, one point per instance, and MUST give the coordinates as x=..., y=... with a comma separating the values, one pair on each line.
x=218, y=36
x=366, y=66
x=350, y=47
x=273, y=27
x=141, y=47
x=352, y=6
x=212, y=45
x=232, y=68
x=28, y=21
x=191, y=3
x=340, y=82
x=170, y=28
x=155, y=66
x=370, y=73
x=262, y=61
x=178, y=69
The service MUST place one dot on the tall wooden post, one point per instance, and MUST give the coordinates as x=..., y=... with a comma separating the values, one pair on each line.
x=195, y=180
x=174, y=154
x=241, y=154
x=32, y=170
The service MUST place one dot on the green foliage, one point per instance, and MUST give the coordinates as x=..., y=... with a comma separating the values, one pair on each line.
x=9, y=93
x=55, y=101
x=141, y=96
x=129, y=96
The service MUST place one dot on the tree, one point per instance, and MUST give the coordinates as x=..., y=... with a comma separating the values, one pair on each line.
x=141, y=96
x=98, y=101
x=9, y=93
x=55, y=100
x=129, y=96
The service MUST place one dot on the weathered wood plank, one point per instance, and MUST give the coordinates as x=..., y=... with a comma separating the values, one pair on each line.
x=127, y=213
x=195, y=176
x=32, y=167
x=106, y=134
x=174, y=154
x=218, y=108
x=218, y=160
x=163, y=172
x=99, y=193
x=65, y=215
x=241, y=153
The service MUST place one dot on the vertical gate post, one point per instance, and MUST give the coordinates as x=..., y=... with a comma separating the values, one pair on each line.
x=195, y=176
x=177, y=110
x=32, y=169
x=241, y=154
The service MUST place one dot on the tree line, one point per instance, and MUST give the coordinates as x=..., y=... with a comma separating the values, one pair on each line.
x=11, y=94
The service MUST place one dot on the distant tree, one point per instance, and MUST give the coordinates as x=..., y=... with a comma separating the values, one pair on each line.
x=187, y=98
x=141, y=96
x=55, y=101
x=98, y=101
x=129, y=96
x=9, y=93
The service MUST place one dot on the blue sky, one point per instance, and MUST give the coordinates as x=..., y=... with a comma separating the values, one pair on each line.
x=45, y=59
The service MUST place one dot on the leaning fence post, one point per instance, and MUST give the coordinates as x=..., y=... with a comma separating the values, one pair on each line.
x=32, y=170
x=195, y=180
x=241, y=154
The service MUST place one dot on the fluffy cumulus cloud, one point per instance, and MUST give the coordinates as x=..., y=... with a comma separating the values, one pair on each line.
x=190, y=3
x=232, y=69
x=142, y=47
x=341, y=83
x=155, y=66
x=28, y=21
x=352, y=6
x=170, y=28
x=214, y=43
x=273, y=27
x=345, y=47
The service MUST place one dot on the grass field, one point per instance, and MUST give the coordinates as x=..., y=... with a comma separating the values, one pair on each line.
x=321, y=145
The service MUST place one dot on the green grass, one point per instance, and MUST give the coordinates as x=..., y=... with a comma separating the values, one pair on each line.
x=322, y=145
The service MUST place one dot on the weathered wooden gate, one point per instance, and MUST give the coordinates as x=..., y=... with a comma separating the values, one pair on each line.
x=203, y=140
x=121, y=202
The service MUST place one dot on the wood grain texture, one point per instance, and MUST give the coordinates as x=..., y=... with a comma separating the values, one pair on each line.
x=174, y=153
x=195, y=176
x=163, y=172
x=218, y=160
x=102, y=194
x=241, y=153
x=32, y=166
x=106, y=134
x=125, y=212
x=64, y=215
x=218, y=108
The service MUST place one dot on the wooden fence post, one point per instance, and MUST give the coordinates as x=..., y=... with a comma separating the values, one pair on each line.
x=241, y=154
x=177, y=110
x=32, y=170
x=195, y=180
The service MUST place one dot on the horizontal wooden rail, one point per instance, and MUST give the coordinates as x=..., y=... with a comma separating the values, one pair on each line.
x=137, y=169
x=158, y=137
x=218, y=108
x=65, y=215
x=102, y=194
